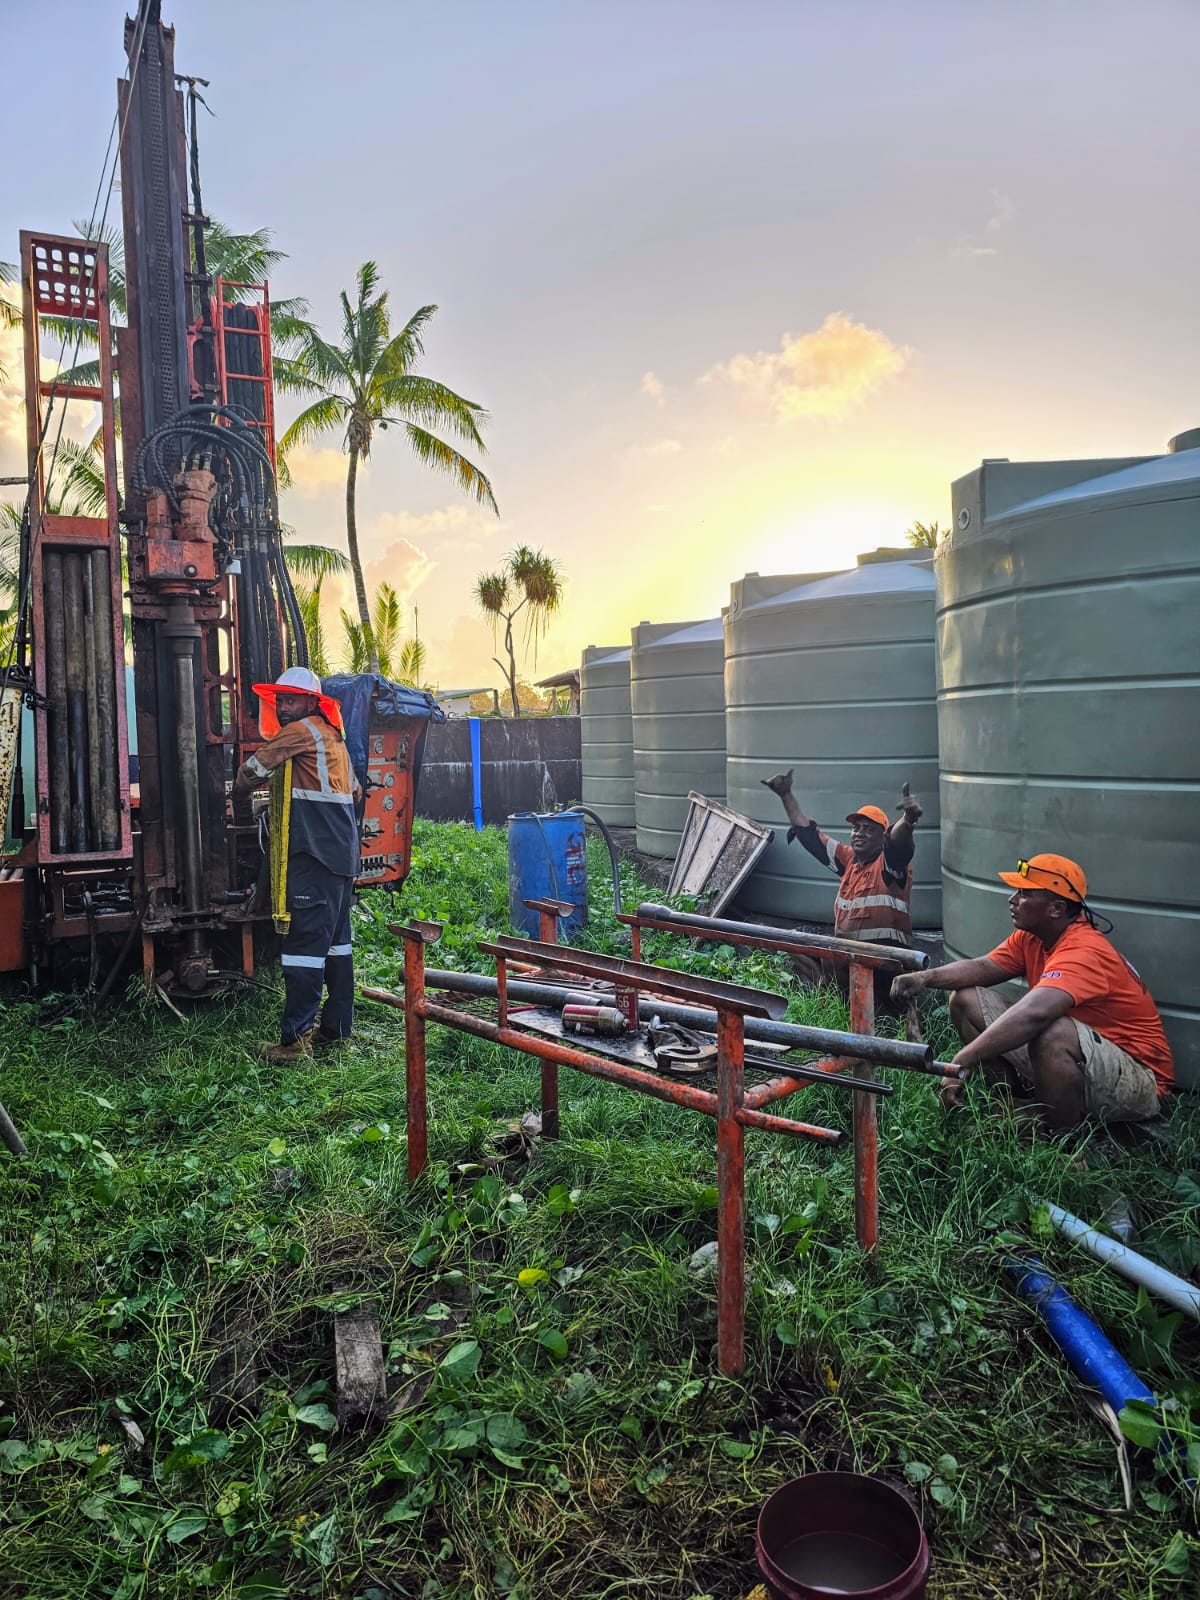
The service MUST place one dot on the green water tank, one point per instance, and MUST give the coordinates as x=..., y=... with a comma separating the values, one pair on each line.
x=677, y=687
x=606, y=733
x=833, y=676
x=1069, y=703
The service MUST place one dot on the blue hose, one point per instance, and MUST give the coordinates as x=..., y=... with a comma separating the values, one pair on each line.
x=1092, y=1356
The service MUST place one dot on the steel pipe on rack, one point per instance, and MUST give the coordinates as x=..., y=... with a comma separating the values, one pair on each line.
x=792, y=1035
x=757, y=933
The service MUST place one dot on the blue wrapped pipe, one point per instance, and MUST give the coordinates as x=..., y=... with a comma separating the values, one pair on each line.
x=1091, y=1355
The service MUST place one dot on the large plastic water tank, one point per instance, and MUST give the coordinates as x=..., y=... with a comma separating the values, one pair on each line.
x=834, y=677
x=1069, y=704
x=606, y=733
x=677, y=685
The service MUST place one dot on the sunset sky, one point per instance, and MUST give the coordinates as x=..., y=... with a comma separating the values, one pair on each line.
x=743, y=285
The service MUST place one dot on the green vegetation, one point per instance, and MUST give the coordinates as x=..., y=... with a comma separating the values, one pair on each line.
x=527, y=581
x=369, y=381
x=558, y=1425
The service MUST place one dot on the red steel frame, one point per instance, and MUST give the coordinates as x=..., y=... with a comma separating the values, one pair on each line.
x=862, y=967
x=68, y=277
x=728, y=1105
x=262, y=317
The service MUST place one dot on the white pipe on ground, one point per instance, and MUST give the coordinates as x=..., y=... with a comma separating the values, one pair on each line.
x=1175, y=1291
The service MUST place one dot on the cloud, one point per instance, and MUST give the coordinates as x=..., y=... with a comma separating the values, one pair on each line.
x=825, y=373
x=450, y=531
x=404, y=565
x=1001, y=211
x=317, y=472
x=651, y=450
x=651, y=387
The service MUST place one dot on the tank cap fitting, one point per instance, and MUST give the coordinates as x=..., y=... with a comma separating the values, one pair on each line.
x=1188, y=440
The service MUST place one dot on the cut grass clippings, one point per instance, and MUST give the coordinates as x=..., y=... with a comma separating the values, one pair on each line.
x=190, y=1221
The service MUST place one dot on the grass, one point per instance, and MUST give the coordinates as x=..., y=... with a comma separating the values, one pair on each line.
x=566, y=1433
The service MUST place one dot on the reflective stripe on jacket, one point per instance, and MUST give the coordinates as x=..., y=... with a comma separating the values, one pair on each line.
x=324, y=791
x=873, y=899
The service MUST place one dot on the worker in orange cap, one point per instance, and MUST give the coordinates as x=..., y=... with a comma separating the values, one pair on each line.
x=314, y=856
x=1085, y=1039
x=875, y=868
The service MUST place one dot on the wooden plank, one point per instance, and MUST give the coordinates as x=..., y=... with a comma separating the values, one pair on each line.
x=361, y=1380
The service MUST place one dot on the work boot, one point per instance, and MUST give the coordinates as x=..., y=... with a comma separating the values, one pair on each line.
x=322, y=1041
x=287, y=1055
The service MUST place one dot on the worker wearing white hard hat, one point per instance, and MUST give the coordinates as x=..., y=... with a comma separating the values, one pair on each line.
x=314, y=856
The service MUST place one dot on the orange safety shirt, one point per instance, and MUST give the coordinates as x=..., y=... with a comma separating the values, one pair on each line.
x=1108, y=994
x=323, y=822
x=873, y=897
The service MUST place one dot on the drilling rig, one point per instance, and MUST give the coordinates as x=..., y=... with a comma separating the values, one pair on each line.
x=181, y=581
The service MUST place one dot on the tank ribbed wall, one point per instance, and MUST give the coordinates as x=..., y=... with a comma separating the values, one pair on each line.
x=834, y=677
x=1069, y=704
x=606, y=733
x=677, y=688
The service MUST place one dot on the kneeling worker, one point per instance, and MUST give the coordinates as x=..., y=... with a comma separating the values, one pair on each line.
x=1086, y=1038
x=875, y=868
x=314, y=856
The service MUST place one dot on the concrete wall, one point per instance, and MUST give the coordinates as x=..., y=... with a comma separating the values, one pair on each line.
x=529, y=764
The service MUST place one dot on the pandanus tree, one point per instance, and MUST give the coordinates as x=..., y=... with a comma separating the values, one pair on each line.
x=531, y=583
x=367, y=381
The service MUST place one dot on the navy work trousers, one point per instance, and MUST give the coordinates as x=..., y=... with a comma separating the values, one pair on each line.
x=317, y=953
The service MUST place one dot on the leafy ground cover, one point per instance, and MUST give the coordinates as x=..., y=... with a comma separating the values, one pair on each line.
x=190, y=1220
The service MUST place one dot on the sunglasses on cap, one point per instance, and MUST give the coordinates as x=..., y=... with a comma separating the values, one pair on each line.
x=1026, y=867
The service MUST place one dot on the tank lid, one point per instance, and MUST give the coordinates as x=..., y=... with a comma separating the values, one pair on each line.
x=1170, y=477
x=914, y=576
x=870, y=558
x=602, y=655
x=1189, y=439
x=712, y=629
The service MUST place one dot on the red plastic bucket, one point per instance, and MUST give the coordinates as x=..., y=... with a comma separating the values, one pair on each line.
x=838, y=1533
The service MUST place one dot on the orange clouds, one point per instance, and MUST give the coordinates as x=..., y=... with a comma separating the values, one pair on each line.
x=825, y=373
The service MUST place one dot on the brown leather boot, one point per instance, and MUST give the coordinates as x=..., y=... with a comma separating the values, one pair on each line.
x=286, y=1055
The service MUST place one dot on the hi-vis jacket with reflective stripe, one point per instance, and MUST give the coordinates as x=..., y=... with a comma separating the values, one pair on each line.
x=324, y=790
x=873, y=896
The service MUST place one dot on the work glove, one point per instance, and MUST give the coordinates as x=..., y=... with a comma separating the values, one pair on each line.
x=907, y=986
x=910, y=806
x=780, y=784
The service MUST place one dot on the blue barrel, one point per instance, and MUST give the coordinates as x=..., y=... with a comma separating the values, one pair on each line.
x=547, y=860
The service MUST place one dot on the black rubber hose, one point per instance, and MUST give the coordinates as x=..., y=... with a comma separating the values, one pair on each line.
x=612, y=853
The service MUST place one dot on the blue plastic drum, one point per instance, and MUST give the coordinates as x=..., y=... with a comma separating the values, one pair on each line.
x=547, y=860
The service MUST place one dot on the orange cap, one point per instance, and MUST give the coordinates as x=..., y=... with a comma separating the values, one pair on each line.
x=1056, y=874
x=871, y=814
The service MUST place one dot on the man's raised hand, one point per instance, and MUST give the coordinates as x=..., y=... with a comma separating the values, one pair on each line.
x=910, y=806
x=780, y=784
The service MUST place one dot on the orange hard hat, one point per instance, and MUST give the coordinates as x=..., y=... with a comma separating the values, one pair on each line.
x=295, y=680
x=870, y=814
x=1055, y=874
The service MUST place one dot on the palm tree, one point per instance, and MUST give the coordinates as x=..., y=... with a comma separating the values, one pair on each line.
x=925, y=535
x=529, y=581
x=385, y=628
x=367, y=381
x=10, y=313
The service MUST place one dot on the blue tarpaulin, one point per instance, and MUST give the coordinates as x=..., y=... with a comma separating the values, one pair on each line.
x=366, y=698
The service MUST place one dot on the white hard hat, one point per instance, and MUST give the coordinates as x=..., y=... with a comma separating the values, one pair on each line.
x=300, y=680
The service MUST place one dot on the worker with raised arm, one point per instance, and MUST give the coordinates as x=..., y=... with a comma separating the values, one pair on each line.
x=875, y=868
x=314, y=857
x=1086, y=1039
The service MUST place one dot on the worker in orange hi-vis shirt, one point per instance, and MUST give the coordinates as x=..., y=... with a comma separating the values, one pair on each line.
x=1086, y=1039
x=875, y=868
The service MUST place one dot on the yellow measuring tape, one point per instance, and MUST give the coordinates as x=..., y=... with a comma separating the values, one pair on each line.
x=281, y=818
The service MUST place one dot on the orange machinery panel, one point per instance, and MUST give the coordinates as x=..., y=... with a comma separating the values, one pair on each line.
x=388, y=814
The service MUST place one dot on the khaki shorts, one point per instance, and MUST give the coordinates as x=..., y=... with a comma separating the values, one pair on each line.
x=1116, y=1087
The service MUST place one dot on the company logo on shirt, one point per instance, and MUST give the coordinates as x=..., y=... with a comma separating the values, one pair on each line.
x=1055, y=974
